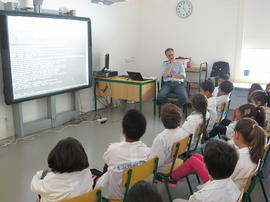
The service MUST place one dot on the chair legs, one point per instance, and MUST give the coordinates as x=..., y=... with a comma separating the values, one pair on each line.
x=168, y=190
x=189, y=185
x=263, y=189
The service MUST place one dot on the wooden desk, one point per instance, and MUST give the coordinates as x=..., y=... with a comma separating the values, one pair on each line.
x=126, y=89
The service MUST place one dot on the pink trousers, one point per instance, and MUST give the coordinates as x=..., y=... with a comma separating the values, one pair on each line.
x=194, y=164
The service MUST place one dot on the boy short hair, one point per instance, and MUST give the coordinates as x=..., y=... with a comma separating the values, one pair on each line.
x=208, y=85
x=143, y=191
x=220, y=159
x=68, y=156
x=171, y=116
x=226, y=87
x=134, y=124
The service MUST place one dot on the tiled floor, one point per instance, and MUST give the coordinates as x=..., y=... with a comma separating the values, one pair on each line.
x=20, y=161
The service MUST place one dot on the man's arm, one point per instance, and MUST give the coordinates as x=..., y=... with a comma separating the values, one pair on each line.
x=167, y=73
x=178, y=76
x=181, y=74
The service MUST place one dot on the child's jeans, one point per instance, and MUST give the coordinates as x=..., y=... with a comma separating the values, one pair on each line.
x=194, y=164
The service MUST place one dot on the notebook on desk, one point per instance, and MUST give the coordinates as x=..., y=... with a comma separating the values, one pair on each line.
x=136, y=76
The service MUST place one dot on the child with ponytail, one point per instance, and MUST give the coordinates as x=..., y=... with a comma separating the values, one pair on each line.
x=262, y=98
x=226, y=127
x=249, y=138
x=198, y=116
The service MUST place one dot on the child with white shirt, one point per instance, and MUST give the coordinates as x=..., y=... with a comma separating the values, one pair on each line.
x=162, y=145
x=219, y=162
x=262, y=98
x=70, y=175
x=226, y=127
x=207, y=88
x=132, y=152
x=250, y=139
x=198, y=116
x=224, y=91
x=221, y=78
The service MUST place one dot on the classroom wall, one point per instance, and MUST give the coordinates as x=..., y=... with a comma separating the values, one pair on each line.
x=114, y=31
x=209, y=34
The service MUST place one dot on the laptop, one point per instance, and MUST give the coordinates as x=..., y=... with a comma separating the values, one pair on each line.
x=136, y=76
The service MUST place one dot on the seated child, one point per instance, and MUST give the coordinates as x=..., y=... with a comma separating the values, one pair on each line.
x=226, y=127
x=224, y=91
x=262, y=98
x=162, y=145
x=221, y=78
x=207, y=88
x=253, y=87
x=132, y=152
x=219, y=163
x=70, y=175
x=198, y=116
x=143, y=192
x=249, y=138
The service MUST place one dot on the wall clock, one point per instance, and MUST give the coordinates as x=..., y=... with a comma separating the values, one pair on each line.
x=184, y=8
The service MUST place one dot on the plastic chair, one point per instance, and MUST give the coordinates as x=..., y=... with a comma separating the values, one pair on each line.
x=225, y=110
x=201, y=129
x=135, y=174
x=251, y=183
x=91, y=196
x=178, y=149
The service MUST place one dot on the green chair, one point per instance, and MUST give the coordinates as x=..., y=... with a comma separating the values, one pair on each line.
x=257, y=176
x=251, y=183
x=135, y=174
x=225, y=111
x=178, y=149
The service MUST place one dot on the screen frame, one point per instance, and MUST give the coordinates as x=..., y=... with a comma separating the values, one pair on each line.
x=5, y=54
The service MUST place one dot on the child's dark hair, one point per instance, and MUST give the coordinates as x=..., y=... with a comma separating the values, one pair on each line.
x=171, y=116
x=68, y=156
x=168, y=49
x=220, y=159
x=267, y=88
x=134, y=124
x=253, y=135
x=261, y=96
x=251, y=111
x=208, y=85
x=199, y=103
x=143, y=192
x=254, y=86
x=226, y=87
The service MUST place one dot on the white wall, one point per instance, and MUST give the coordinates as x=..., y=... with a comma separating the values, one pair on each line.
x=209, y=34
x=113, y=31
x=136, y=33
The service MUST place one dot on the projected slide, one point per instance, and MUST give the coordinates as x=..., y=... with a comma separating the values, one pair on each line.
x=47, y=55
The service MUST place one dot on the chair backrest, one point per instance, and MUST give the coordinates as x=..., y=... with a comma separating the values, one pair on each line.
x=179, y=148
x=241, y=196
x=91, y=196
x=225, y=110
x=252, y=181
x=138, y=173
x=220, y=68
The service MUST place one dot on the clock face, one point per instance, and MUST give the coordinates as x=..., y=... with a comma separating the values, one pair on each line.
x=184, y=8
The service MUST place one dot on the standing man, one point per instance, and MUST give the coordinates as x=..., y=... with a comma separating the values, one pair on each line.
x=173, y=79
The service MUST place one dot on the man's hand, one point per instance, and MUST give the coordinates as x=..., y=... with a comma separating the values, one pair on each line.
x=168, y=73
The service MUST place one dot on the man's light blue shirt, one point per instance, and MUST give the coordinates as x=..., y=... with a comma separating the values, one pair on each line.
x=178, y=68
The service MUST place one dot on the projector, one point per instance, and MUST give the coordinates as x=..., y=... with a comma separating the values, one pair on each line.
x=107, y=2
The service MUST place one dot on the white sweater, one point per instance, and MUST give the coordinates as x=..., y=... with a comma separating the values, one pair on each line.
x=59, y=186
